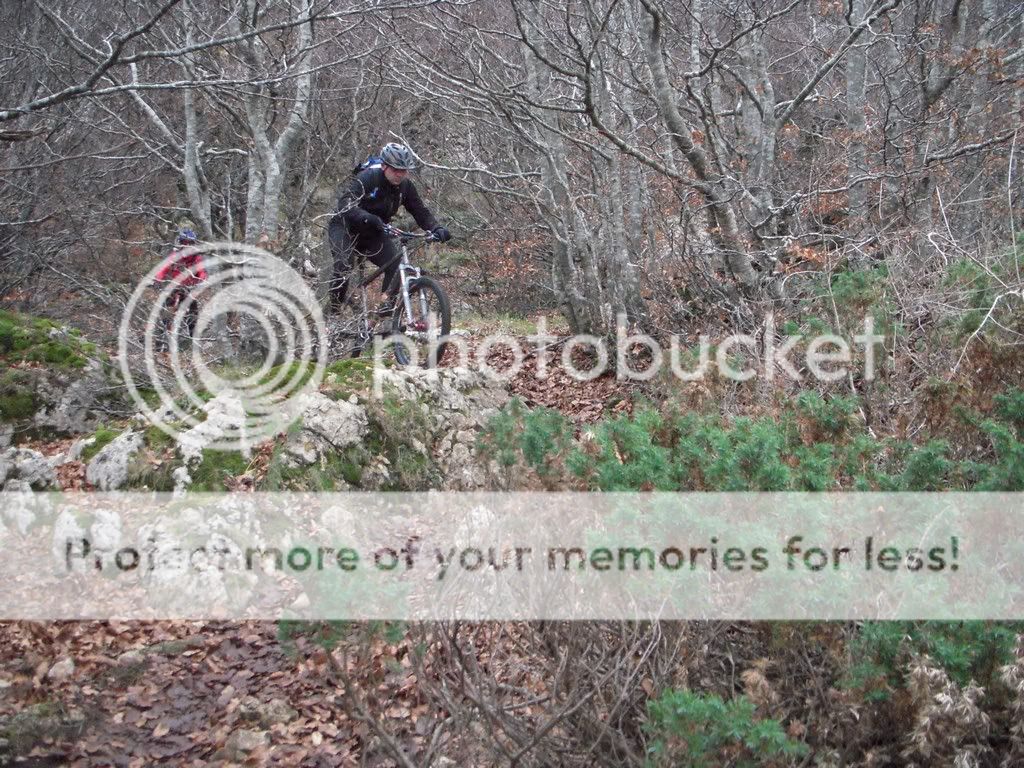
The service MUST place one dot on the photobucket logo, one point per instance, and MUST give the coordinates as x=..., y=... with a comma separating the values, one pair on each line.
x=179, y=336
x=640, y=357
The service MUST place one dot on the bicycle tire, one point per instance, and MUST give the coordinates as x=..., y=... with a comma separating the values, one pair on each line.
x=438, y=308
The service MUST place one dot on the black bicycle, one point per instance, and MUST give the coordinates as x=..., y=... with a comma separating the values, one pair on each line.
x=415, y=329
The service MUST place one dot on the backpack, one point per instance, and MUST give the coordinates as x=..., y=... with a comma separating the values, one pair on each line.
x=373, y=161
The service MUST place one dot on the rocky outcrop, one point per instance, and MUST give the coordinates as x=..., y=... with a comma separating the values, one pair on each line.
x=456, y=402
x=53, y=381
x=76, y=401
x=25, y=469
x=225, y=418
x=395, y=429
x=109, y=468
x=327, y=426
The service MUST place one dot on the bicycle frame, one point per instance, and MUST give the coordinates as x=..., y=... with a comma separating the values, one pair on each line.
x=407, y=272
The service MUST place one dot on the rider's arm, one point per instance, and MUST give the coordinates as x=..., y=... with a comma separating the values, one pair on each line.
x=349, y=197
x=414, y=205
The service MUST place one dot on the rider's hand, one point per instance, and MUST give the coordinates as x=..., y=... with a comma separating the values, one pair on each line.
x=441, y=234
x=371, y=223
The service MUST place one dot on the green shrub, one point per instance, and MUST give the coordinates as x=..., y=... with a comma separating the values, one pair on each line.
x=538, y=438
x=27, y=338
x=18, y=400
x=649, y=451
x=703, y=730
x=831, y=418
x=627, y=458
x=966, y=650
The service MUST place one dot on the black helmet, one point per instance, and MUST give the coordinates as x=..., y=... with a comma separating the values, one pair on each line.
x=398, y=156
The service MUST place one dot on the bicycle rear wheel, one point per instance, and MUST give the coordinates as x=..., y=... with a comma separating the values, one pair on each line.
x=426, y=329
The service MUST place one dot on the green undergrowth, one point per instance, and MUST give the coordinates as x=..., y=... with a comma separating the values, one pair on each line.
x=966, y=650
x=980, y=290
x=703, y=731
x=215, y=467
x=503, y=322
x=814, y=444
x=31, y=339
x=344, y=378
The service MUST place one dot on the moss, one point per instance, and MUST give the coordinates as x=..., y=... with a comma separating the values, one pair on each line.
x=338, y=472
x=396, y=425
x=101, y=438
x=215, y=468
x=175, y=647
x=17, y=396
x=149, y=396
x=348, y=377
x=55, y=353
x=26, y=338
x=292, y=376
x=18, y=406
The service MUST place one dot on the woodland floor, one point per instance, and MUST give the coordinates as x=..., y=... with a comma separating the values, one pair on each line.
x=182, y=703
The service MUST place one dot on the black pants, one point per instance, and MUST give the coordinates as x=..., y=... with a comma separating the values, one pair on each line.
x=181, y=308
x=346, y=247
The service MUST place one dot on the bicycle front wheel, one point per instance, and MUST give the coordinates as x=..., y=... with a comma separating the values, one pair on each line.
x=426, y=328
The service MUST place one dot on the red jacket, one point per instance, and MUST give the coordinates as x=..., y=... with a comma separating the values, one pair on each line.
x=183, y=266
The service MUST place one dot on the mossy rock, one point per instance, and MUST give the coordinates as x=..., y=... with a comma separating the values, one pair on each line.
x=399, y=430
x=101, y=438
x=34, y=339
x=348, y=377
x=39, y=723
x=18, y=398
x=338, y=472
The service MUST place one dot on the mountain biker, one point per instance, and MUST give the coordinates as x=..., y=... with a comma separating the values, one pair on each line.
x=366, y=205
x=183, y=266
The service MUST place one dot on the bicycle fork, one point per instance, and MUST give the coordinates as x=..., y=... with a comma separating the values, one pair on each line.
x=409, y=273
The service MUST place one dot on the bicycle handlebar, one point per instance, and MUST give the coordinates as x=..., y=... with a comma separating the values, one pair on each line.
x=401, y=233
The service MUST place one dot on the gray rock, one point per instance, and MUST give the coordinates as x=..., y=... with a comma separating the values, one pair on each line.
x=75, y=401
x=62, y=670
x=182, y=480
x=225, y=419
x=249, y=709
x=131, y=658
x=327, y=426
x=276, y=712
x=108, y=469
x=105, y=531
x=75, y=451
x=6, y=436
x=66, y=528
x=30, y=467
x=243, y=742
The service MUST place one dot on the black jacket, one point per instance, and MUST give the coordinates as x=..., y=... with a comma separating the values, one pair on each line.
x=369, y=201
